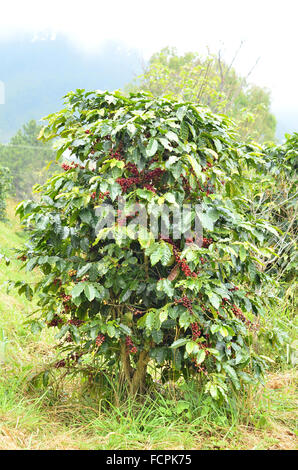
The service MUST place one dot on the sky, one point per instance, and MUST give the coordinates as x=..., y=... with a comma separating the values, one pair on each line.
x=267, y=30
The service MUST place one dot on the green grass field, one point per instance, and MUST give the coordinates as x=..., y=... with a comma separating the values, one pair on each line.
x=70, y=415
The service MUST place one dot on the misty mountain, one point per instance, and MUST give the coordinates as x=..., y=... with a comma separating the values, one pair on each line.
x=287, y=122
x=37, y=74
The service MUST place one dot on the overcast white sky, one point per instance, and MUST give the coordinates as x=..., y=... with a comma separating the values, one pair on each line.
x=267, y=27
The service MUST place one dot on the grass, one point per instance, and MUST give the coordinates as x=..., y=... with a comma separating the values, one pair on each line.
x=68, y=415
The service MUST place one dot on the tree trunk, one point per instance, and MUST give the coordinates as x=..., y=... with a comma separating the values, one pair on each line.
x=138, y=380
x=134, y=377
x=127, y=370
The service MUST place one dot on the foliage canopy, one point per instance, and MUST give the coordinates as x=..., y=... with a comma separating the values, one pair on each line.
x=134, y=304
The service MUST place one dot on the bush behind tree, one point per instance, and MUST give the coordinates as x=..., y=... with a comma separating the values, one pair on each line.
x=212, y=82
x=5, y=185
x=27, y=159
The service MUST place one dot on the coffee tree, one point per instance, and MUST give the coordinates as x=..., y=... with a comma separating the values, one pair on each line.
x=144, y=304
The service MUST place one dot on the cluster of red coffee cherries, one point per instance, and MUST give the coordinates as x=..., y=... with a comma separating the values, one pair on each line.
x=75, y=356
x=22, y=258
x=137, y=312
x=117, y=155
x=209, y=165
x=60, y=364
x=206, y=188
x=99, y=340
x=150, y=188
x=239, y=314
x=68, y=339
x=132, y=168
x=130, y=346
x=207, y=242
x=139, y=177
x=196, y=332
x=101, y=196
x=188, y=190
x=65, y=299
x=181, y=262
x=234, y=288
x=153, y=175
x=144, y=180
x=76, y=322
x=56, y=320
x=72, y=272
x=126, y=183
x=67, y=167
x=186, y=302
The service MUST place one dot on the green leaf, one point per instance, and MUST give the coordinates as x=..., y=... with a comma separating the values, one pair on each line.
x=45, y=378
x=200, y=356
x=75, y=333
x=78, y=289
x=232, y=374
x=159, y=354
x=152, y=147
x=206, y=221
x=172, y=136
x=155, y=257
x=190, y=346
x=115, y=190
x=166, y=254
x=196, y=167
x=125, y=295
x=165, y=143
x=185, y=320
x=125, y=329
x=170, y=198
x=163, y=316
x=150, y=319
x=213, y=389
x=111, y=330
x=36, y=327
x=242, y=253
x=179, y=342
x=86, y=216
x=84, y=269
x=214, y=299
x=223, y=331
x=62, y=332
x=184, y=130
x=90, y=292
x=157, y=336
